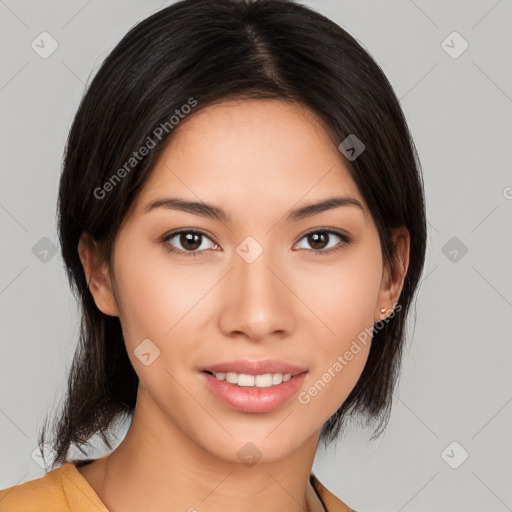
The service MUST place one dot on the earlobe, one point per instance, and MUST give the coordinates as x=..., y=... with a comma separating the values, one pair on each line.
x=393, y=279
x=97, y=275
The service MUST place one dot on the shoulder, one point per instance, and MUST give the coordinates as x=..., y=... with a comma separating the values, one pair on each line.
x=45, y=492
x=331, y=502
x=61, y=490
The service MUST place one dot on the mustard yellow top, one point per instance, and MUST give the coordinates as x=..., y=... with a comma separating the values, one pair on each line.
x=64, y=489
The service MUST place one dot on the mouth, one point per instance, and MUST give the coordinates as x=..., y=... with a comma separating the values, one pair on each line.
x=254, y=368
x=253, y=393
x=264, y=380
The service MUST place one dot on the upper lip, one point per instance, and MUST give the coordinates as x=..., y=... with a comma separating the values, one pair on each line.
x=256, y=367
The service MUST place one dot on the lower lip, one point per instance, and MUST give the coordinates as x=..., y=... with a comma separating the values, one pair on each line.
x=253, y=399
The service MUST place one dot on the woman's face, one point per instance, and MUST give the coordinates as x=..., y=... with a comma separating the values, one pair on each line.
x=249, y=285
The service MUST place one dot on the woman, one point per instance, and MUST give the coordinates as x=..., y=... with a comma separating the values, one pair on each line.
x=241, y=214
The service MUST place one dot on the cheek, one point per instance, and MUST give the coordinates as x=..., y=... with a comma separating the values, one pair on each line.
x=160, y=303
x=346, y=305
x=160, y=298
x=344, y=295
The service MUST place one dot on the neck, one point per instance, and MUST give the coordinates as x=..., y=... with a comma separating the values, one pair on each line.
x=157, y=468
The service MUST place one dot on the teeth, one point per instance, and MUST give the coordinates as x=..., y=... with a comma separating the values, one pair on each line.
x=259, y=381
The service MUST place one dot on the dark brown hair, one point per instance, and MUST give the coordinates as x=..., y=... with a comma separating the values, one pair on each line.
x=212, y=50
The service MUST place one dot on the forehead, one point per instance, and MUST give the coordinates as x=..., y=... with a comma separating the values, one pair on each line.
x=250, y=153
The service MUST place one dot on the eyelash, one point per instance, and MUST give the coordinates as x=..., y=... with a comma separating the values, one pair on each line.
x=188, y=254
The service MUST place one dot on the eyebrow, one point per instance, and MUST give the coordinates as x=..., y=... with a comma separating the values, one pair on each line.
x=214, y=212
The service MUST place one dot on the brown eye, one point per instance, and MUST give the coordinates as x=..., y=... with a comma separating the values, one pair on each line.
x=190, y=240
x=187, y=242
x=320, y=241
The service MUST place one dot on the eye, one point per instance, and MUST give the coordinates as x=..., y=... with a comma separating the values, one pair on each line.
x=190, y=240
x=321, y=238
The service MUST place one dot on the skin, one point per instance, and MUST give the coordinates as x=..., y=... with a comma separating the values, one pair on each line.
x=257, y=160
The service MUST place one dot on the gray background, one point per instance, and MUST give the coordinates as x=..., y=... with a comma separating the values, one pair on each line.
x=456, y=380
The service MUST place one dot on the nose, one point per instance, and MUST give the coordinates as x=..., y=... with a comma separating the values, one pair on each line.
x=257, y=303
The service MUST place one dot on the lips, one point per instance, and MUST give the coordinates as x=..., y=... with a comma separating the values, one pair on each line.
x=251, y=399
x=255, y=367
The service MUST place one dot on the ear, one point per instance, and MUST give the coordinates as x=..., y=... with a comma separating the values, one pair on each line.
x=97, y=275
x=393, y=279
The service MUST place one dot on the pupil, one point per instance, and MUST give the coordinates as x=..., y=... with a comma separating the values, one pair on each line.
x=188, y=238
x=314, y=239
